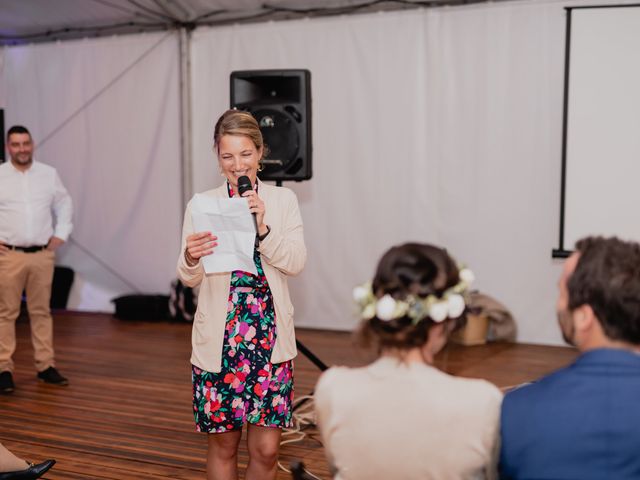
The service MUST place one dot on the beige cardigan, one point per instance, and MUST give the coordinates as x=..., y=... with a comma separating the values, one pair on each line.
x=391, y=420
x=283, y=253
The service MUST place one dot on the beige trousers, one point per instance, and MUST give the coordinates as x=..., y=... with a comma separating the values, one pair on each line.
x=33, y=273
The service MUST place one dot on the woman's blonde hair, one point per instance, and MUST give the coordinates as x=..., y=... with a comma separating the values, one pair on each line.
x=238, y=122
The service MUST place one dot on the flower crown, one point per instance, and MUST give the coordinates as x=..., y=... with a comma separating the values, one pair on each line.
x=450, y=304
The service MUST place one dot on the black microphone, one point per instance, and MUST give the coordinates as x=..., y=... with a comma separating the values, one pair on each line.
x=244, y=185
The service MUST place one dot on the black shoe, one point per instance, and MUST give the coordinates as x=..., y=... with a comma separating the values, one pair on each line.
x=34, y=471
x=52, y=376
x=6, y=382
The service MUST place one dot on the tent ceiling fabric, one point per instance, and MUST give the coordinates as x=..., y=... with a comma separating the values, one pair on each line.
x=30, y=21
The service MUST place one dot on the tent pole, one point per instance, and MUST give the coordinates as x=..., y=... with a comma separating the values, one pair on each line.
x=185, y=114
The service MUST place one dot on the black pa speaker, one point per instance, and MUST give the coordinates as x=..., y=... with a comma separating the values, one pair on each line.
x=280, y=100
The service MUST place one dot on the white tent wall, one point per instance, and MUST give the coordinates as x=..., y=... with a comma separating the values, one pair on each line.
x=436, y=125
x=105, y=113
x=440, y=125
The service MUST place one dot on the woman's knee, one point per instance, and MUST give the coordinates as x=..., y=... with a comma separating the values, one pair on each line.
x=264, y=452
x=224, y=445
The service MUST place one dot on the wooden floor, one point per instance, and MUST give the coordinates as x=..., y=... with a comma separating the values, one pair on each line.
x=127, y=412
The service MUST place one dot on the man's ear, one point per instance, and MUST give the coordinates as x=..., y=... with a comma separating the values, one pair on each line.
x=584, y=318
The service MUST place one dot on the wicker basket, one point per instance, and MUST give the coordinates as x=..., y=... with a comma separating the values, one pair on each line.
x=474, y=332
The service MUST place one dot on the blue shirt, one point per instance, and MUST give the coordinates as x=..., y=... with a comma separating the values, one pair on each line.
x=581, y=422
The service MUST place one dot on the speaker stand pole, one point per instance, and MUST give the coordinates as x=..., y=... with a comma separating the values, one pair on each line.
x=316, y=361
x=311, y=356
x=305, y=351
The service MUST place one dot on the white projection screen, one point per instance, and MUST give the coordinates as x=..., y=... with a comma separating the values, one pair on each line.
x=601, y=147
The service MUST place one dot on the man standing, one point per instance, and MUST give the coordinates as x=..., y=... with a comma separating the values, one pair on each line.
x=583, y=421
x=35, y=219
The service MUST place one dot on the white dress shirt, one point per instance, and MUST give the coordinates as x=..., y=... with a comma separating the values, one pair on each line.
x=34, y=205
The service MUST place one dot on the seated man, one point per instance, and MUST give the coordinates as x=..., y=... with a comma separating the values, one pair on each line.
x=583, y=421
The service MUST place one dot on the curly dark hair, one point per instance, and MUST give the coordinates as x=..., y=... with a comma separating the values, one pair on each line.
x=607, y=278
x=409, y=269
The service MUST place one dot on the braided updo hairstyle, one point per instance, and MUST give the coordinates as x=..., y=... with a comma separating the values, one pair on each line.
x=409, y=269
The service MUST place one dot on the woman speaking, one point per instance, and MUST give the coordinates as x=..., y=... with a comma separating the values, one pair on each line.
x=243, y=338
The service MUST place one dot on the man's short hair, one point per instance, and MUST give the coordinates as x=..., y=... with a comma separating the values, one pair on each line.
x=607, y=278
x=17, y=129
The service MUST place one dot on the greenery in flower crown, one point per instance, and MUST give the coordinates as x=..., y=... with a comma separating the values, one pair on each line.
x=451, y=304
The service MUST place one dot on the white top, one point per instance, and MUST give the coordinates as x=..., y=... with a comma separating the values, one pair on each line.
x=391, y=420
x=34, y=205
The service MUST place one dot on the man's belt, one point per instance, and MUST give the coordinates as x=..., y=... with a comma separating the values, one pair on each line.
x=32, y=249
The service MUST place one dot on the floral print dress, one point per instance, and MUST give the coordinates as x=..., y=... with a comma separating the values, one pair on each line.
x=249, y=388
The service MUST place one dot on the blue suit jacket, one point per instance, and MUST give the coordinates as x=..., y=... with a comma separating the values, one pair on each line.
x=581, y=422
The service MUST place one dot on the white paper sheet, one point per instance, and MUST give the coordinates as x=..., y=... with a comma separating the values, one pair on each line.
x=230, y=220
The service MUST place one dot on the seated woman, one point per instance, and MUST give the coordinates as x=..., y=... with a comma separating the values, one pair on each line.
x=12, y=467
x=400, y=417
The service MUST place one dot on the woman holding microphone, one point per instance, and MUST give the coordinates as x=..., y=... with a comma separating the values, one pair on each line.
x=243, y=338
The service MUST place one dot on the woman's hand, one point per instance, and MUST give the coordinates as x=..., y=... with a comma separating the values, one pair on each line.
x=199, y=245
x=256, y=206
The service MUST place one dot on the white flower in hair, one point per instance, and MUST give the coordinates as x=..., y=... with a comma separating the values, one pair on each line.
x=360, y=293
x=386, y=308
x=466, y=275
x=369, y=311
x=438, y=307
x=455, y=304
x=439, y=311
